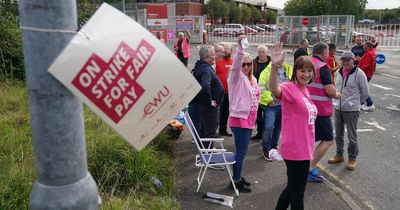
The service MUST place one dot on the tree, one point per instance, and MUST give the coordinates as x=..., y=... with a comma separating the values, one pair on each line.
x=271, y=16
x=246, y=12
x=255, y=14
x=235, y=13
x=217, y=9
x=325, y=7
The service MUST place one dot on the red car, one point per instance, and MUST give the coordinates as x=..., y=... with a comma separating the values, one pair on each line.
x=250, y=31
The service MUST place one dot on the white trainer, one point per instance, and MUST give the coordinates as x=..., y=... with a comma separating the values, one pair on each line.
x=369, y=108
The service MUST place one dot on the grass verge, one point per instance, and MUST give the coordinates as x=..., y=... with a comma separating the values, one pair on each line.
x=121, y=173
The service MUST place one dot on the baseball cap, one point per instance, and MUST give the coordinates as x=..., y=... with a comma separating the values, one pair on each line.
x=347, y=55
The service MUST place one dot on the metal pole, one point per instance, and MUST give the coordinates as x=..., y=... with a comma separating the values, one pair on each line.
x=63, y=181
x=123, y=7
x=136, y=11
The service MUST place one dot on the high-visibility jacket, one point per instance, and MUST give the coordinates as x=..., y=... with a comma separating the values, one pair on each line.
x=317, y=91
x=185, y=48
x=266, y=95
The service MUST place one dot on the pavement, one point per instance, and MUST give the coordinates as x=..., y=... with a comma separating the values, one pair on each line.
x=373, y=185
x=268, y=179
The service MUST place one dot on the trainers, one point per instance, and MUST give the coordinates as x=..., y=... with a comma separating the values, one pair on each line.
x=336, y=159
x=315, y=176
x=266, y=156
x=256, y=137
x=241, y=186
x=369, y=108
x=217, y=168
x=351, y=165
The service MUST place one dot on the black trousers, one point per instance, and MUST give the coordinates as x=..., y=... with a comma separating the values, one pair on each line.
x=209, y=120
x=293, y=194
x=224, y=114
x=260, y=120
x=184, y=61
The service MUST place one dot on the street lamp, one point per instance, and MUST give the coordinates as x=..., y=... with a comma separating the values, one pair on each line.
x=264, y=10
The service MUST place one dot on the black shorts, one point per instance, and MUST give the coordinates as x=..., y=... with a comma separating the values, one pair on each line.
x=323, y=129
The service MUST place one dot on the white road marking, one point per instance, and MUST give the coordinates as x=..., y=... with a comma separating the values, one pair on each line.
x=392, y=95
x=376, y=124
x=365, y=130
x=359, y=130
x=388, y=75
x=392, y=107
x=380, y=86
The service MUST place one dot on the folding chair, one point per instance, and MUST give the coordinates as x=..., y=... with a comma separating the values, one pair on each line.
x=210, y=156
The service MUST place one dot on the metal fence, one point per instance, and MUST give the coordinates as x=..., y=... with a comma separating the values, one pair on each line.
x=337, y=28
x=256, y=34
x=388, y=35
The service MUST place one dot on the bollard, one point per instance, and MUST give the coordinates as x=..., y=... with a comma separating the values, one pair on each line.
x=63, y=181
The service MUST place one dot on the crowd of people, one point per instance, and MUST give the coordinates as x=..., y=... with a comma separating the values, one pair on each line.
x=276, y=99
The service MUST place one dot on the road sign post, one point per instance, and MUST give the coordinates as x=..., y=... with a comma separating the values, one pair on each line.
x=63, y=181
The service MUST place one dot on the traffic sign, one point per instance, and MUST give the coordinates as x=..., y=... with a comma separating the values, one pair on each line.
x=305, y=21
x=380, y=58
x=125, y=75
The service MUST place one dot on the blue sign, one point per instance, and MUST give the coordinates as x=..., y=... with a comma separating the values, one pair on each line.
x=380, y=58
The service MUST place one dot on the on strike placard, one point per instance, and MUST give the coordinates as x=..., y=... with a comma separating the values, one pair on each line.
x=125, y=75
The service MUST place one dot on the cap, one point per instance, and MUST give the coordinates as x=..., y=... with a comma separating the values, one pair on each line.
x=347, y=55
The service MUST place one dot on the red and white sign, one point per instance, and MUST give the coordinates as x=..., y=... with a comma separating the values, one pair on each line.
x=305, y=21
x=162, y=31
x=157, y=14
x=125, y=75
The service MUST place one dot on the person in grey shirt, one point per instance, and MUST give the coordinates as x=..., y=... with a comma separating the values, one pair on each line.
x=353, y=85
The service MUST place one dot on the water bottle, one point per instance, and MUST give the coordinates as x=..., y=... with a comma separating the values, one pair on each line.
x=245, y=43
x=275, y=155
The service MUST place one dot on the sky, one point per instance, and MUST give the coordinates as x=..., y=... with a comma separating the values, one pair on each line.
x=372, y=4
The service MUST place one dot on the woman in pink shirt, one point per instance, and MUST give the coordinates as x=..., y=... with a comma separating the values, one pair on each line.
x=298, y=117
x=243, y=106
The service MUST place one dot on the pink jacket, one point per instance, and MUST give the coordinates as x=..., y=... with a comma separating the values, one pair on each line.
x=239, y=88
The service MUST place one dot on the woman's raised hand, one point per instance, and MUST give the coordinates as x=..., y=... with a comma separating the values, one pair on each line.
x=277, y=54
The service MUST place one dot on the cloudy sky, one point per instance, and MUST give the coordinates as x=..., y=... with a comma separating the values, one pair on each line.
x=372, y=4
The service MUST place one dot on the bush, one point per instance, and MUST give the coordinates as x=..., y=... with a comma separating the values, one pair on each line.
x=11, y=59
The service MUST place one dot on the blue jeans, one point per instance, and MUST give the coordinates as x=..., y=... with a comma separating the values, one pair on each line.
x=242, y=138
x=194, y=115
x=272, y=127
x=369, y=101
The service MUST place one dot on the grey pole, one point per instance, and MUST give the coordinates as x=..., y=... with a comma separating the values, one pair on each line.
x=63, y=181
x=136, y=11
x=123, y=7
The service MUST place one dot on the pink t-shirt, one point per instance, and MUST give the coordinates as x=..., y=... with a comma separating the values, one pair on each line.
x=250, y=121
x=298, y=118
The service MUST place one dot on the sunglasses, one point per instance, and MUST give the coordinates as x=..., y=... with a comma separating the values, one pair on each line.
x=247, y=64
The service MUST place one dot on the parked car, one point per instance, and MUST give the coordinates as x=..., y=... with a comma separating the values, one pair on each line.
x=366, y=21
x=233, y=29
x=250, y=31
x=218, y=32
x=259, y=29
x=267, y=28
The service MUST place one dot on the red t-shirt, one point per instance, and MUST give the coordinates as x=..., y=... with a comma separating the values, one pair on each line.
x=222, y=68
x=331, y=64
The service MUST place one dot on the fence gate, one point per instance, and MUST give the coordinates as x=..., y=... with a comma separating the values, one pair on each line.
x=337, y=28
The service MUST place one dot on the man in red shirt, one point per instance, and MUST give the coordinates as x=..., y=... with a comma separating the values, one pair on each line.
x=331, y=61
x=367, y=64
x=222, y=69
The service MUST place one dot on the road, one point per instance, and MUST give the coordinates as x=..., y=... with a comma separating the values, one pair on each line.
x=375, y=184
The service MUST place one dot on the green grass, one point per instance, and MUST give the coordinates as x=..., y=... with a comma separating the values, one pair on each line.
x=121, y=173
